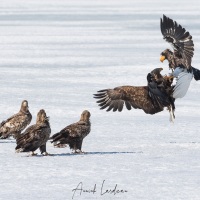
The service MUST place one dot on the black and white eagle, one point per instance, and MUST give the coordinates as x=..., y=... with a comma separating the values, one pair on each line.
x=181, y=58
x=74, y=134
x=35, y=136
x=15, y=124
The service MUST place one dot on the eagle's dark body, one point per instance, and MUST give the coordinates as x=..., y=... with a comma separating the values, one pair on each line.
x=35, y=136
x=74, y=134
x=14, y=125
x=151, y=98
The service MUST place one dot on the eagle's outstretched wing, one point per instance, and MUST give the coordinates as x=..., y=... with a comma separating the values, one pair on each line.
x=179, y=38
x=141, y=97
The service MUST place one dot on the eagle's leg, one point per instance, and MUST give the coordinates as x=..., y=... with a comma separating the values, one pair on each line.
x=43, y=150
x=78, y=147
x=33, y=153
x=45, y=154
x=171, y=112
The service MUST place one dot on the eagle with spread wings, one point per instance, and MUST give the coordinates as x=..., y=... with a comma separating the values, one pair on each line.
x=152, y=98
x=74, y=134
x=15, y=124
x=35, y=136
x=181, y=58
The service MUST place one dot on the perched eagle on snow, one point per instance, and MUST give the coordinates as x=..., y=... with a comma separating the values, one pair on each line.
x=151, y=98
x=17, y=123
x=74, y=134
x=35, y=136
x=179, y=60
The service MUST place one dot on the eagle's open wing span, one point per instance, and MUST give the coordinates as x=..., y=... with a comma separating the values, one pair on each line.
x=179, y=38
x=132, y=97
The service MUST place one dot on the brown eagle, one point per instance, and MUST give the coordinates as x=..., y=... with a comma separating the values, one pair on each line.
x=74, y=134
x=35, y=136
x=16, y=123
x=151, y=98
x=181, y=57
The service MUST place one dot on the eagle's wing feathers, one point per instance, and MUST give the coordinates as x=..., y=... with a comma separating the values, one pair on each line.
x=132, y=97
x=32, y=138
x=179, y=38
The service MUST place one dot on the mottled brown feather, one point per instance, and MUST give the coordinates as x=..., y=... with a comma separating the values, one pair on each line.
x=74, y=133
x=36, y=135
x=15, y=124
x=136, y=97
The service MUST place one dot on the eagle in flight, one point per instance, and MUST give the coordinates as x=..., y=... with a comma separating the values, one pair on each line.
x=181, y=57
x=35, y=136
x=152, y=98
x=74, y=134
x=15, y=124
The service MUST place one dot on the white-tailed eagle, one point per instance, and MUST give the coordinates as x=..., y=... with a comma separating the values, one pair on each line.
x=15, y=124
x=74, y=134
x=152, y=98
x=35, y=136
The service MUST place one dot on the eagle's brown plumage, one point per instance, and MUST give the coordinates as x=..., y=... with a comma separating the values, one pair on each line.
x=181, y=41
x=35, y=136
x=74, y=134
x=151, y=99
x=16, y=123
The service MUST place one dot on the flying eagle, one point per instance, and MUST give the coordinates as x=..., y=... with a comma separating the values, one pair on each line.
x=74, y=134
x=17, y=123
x=35, y=136
x=151, y=98
x=180, y=59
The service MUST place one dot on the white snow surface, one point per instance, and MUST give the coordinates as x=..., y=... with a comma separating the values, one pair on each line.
x=57, y=54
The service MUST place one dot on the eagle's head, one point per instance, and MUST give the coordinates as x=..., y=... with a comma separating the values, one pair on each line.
x=165, y=54
x=42, y=117
x=85, y=116
x=155, y=74
x=24, y=106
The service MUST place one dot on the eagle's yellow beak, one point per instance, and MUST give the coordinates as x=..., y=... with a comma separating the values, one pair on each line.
x=162, y=58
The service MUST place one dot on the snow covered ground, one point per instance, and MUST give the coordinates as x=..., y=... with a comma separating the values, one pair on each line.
x=56, y=54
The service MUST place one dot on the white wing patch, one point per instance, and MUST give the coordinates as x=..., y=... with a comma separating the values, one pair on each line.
x=182, y=84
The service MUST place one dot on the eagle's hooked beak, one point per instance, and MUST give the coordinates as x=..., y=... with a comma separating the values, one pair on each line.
x=162, y=58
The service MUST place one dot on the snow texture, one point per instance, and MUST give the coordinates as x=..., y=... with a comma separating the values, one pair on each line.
x=57, y=54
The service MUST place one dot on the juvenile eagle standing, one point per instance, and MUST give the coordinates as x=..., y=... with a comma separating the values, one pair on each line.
x=74, y=134
x=179, y=60
x=35, y=136
x=17, y=123
x=151, y=98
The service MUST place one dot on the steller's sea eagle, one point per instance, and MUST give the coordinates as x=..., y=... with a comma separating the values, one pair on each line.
x=181, y=57
x=35, y=136
x=151, y=98
x=16, y=123
x=74, y=134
